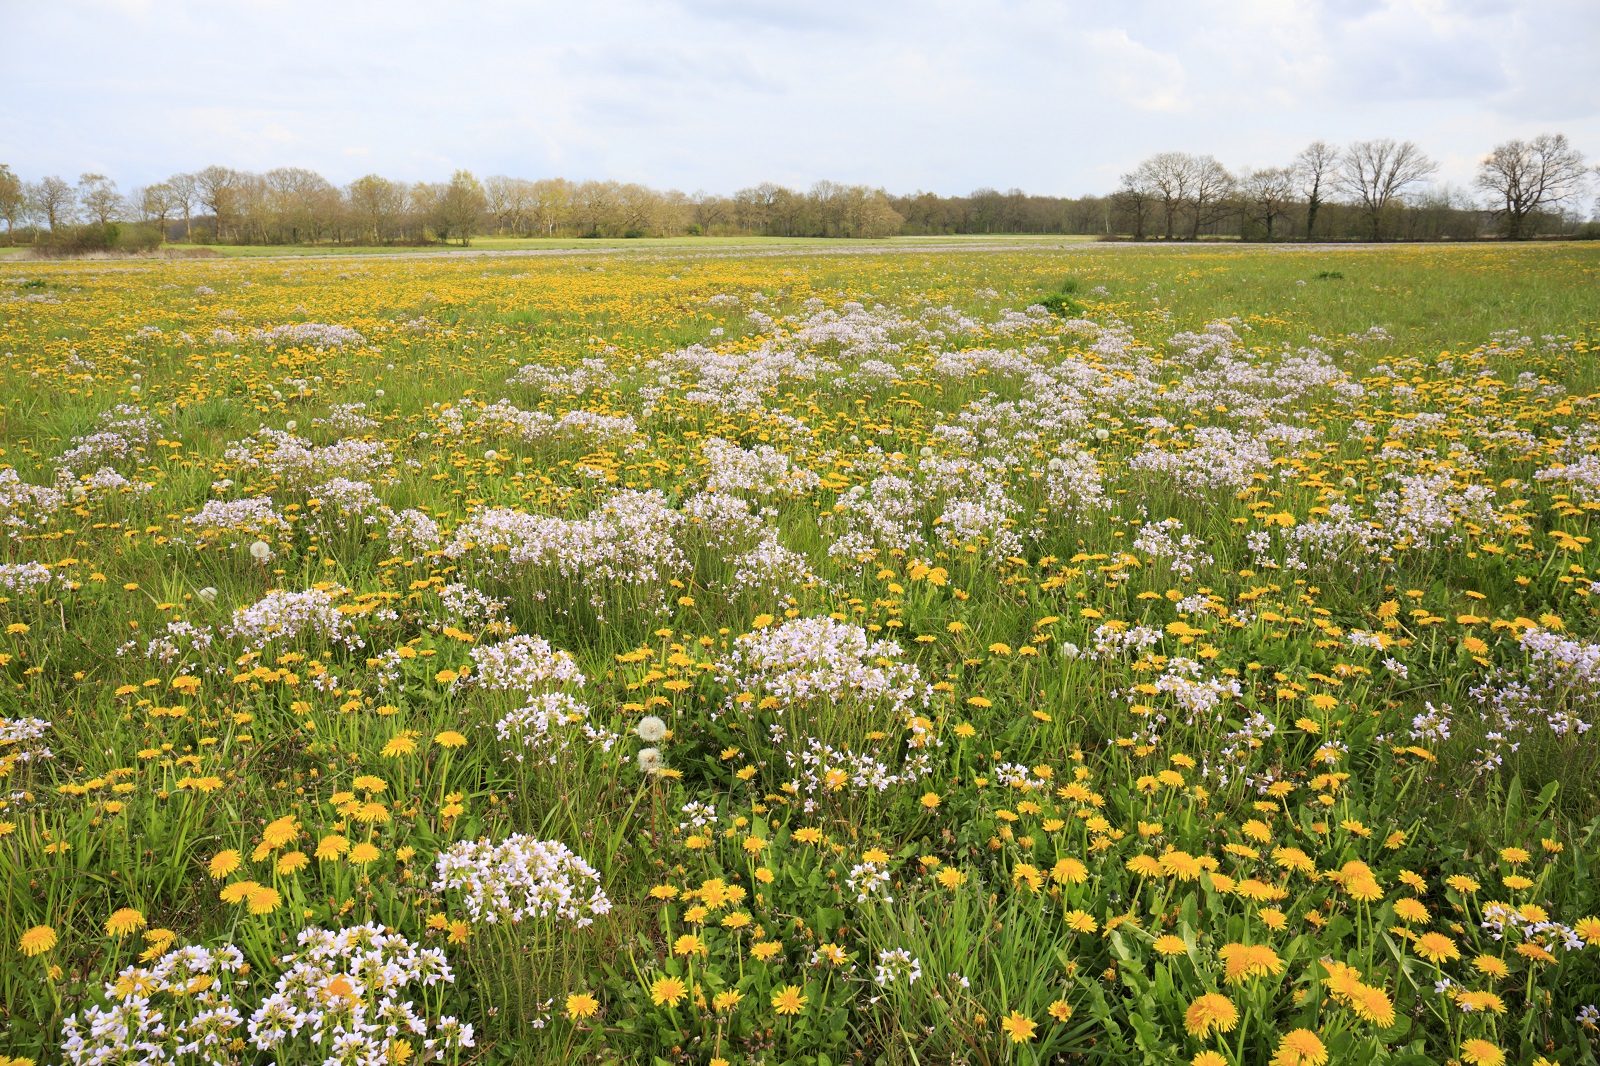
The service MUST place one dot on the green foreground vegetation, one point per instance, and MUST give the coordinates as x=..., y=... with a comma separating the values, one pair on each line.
x=722, y=656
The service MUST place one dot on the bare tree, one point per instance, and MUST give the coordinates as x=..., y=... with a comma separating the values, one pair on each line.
x=595, y=207
x=99, y=197
x=1316, y=170
x=52, y=200
x=1523, y=176
x=507, y=202
x=1374, y=173
x=1268, y=196
x=1134, y=202
x=155, y=203
x=752, y=208
x=302, y=204
x=1167, y=178
x=1210, y=189
x=550, y=205
x=185, y=194
x=377, y=206
x=459, y=207
x=12, y=200
x=709, y=210
x=217, y=188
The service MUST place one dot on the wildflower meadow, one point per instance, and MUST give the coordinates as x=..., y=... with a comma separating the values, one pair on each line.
x=919, y=656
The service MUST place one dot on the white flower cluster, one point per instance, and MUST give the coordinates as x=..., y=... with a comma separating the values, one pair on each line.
x=1583, y=475
x=895, y=963
x=338, y=999
x=626, y=540
x=882, y=516
x=737, y=381
x=24, y=506
x=1073, y=483
x=105, y=480
x=819, y=658
x=282, y=615
x=342, y=992
x=1113, y=639
x=548, y=727
x=723, y=521
x=1165, y=540
x=412, y=531
x=770, y=569
x=521, y=878
x=763, y=470
x=169, y=647
x=468, y=606
x=23, y=577
x=310, y=334
x=988, y=520
x=1425, y=509
x=531, y=427
x=821, y=770
x=197, y=1016
x=254, y=515
x=1217, y=459
x=124, y=432
x=524, y=664
x=22, y=741
x=301, y=464
x=347, y=418
x=565, y=381
x=341, y=504
x=1547, y=699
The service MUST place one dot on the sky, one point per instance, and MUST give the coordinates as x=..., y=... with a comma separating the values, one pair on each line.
x=1052, y=97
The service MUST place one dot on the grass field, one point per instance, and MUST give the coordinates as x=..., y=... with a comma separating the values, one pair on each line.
x=697, y=654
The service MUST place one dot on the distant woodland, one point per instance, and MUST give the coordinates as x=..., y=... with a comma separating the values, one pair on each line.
x=1368, y=190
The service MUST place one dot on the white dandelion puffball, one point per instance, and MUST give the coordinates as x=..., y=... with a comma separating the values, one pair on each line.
x=491, y=455
x=1102, y=434
x=649, y=761
x=651, y=729
x=291, y=425
x=261, y=551
x=1069, y=650
x=208, y=594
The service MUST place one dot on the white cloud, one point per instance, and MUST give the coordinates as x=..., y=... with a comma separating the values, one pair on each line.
x=1050, y=95
x=1146, y=79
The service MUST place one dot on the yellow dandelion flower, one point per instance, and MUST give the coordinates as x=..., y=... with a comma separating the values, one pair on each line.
x=224, y=863
x=124, y=921
x=667, y=991
x=1019, y=1027
x=1436, y=947
x=37, y=940
x=788, y=1000
x=1300, y=1047
x=1482, y=1053
x=332, y=846
x=1170, y=945
x=1212, y=1012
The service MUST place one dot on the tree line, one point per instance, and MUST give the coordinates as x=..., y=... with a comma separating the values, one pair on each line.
x=1373, y=190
